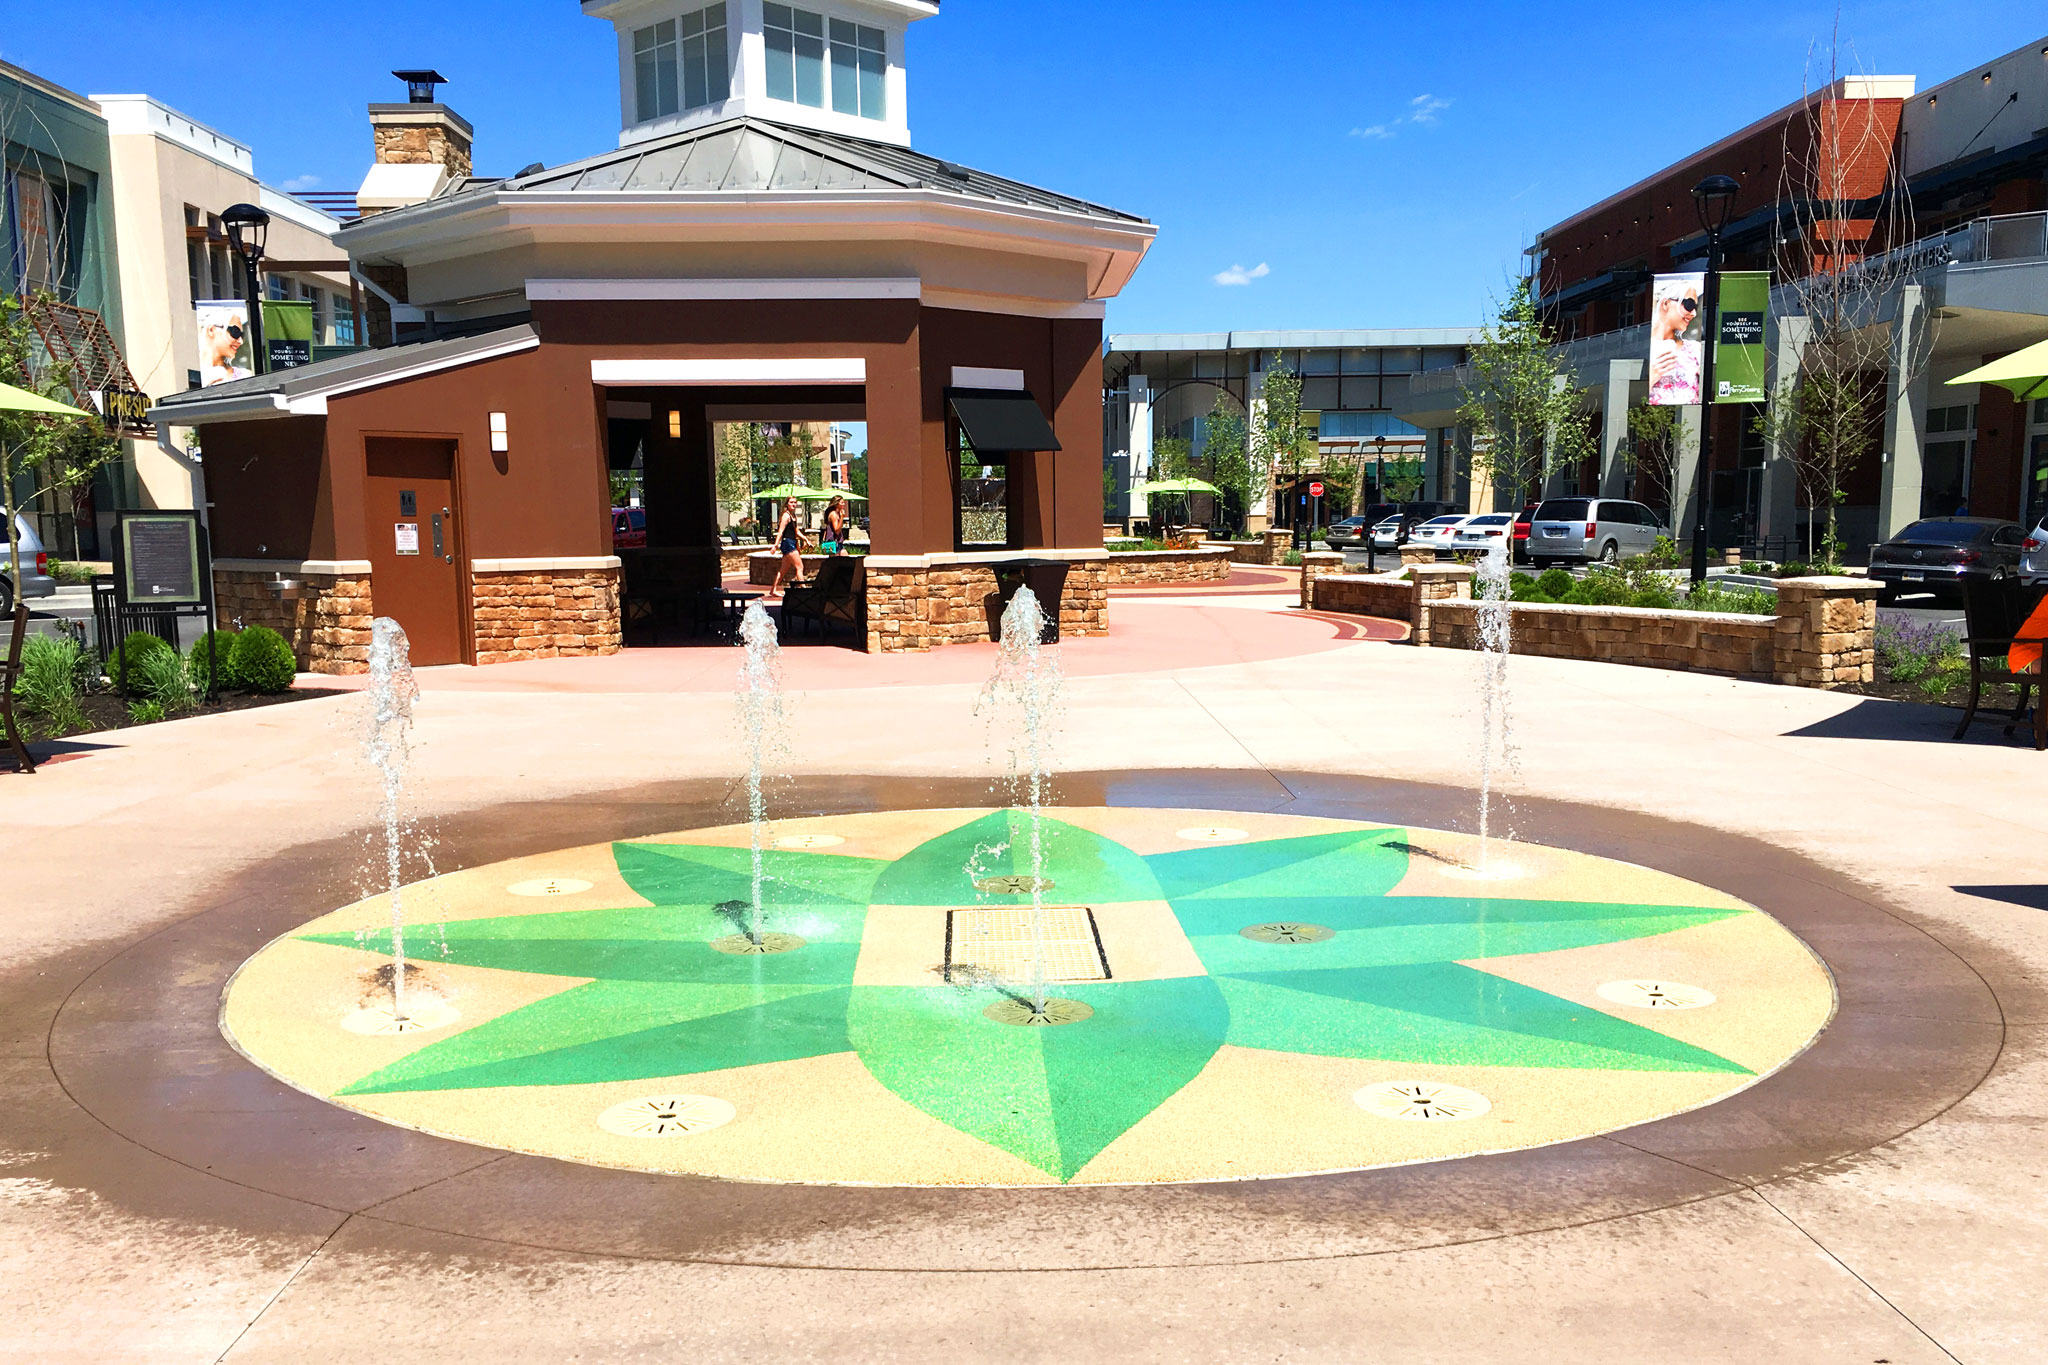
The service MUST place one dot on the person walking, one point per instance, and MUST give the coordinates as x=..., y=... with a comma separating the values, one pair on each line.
x=832, y=538
x=789, y=543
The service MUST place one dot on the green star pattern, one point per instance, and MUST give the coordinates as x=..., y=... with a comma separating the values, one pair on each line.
x=662, y=1002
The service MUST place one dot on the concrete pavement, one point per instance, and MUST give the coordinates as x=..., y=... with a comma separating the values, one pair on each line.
x=152, y=848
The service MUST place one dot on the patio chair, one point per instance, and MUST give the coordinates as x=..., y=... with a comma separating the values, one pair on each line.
x=2006, y=628
x=838, y=595
x=9, y=671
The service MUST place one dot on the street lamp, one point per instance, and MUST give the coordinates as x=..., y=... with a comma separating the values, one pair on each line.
x=247, y=227
x=1714, y=198
x=1379, y=494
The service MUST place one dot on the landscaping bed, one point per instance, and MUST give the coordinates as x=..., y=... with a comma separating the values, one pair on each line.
x=66, y=689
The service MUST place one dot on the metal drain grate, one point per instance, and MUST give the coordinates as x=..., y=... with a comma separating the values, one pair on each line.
x=1012, y=1010
x=1421, y=1101
x=549, y=886
x=1656, y=995
x=995, y=941
x=421, y=1016
x=666, y=1116
x=745, y=945
x=1287, y=931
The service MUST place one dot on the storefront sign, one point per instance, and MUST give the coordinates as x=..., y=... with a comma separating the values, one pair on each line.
x=408, y=537
x=125, y=412
x=1675, y=350
x=161, y=558
x=288, y=334
x=1740, y=364
x=224, y=352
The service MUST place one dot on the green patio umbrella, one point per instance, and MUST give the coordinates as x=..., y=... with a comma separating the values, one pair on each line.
x=1181, y=488
x=21, y=400
x=2024, y=373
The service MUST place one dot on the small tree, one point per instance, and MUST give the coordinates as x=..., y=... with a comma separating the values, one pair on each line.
x=1226, y=455
x=1527, y=421
x=41, y=455
x=1653, y=443
x=1283, y=442
x=742, y=448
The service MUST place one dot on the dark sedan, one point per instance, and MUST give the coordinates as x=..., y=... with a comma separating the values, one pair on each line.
x=1937, y=553
x=1348, y=534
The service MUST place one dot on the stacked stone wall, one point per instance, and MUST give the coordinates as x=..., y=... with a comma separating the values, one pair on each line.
x=925, y=607
x=1733, y=645
x=1826, y=631
x=545, y=614
x=1209, y=565
x=326, y=620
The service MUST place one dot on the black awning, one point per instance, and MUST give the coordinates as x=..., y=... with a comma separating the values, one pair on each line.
x=999, y=420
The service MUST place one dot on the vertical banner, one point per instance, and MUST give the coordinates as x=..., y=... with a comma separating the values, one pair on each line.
x=288, y=333
x=1675, y=333
x=1739, y=360
x=224, y=351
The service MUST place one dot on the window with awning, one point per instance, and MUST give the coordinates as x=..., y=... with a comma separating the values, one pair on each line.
x=998, y=421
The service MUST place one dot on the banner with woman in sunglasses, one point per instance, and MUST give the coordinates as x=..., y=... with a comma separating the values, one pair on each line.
x=1675, y=332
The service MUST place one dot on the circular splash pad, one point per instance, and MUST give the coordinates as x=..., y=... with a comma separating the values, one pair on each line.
x=880, y=1048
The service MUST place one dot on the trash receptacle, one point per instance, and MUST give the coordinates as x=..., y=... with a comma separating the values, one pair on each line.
x=1047, y=579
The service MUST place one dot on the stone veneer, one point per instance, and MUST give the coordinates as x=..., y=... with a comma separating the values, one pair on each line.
x=1207, y=565
x=544, y=613
x=1824, y=633
x=1271, y=547
x=325, y=619
x=924, y=601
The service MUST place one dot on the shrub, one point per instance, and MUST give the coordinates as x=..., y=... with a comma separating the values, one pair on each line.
x=1555, y=583
x=1930, y=657
x=1665, y=553
x=1661, y=598
x=145, y=712
x=158, y=675
x=198, y=661
x=48, y=685
x=261, y=661
x=131, y=651
x=1748, y=601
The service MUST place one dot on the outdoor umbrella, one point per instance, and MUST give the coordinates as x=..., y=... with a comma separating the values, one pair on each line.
x=21, y=400
x=2024, y=373
x=1169, y=487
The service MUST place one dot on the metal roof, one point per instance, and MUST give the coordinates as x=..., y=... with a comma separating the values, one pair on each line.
x=304, y=388
x=1298, y=340
x=750, y=154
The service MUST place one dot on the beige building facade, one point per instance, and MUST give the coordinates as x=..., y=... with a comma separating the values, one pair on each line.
x=171, y=178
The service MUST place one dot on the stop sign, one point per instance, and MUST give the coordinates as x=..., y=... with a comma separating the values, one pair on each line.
x=1315, y=490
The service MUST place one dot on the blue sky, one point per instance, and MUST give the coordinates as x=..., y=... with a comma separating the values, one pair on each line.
x=1353, y=163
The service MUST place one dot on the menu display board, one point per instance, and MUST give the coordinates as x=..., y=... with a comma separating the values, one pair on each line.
x=162, y=558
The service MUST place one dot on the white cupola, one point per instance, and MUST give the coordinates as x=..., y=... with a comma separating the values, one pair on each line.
x=833, y=65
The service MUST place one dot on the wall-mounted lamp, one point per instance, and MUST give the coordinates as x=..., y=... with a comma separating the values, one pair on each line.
x=675, y=424
x=501, y=440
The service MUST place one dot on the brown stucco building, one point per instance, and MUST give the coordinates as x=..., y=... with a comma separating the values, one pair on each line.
x=556, y=324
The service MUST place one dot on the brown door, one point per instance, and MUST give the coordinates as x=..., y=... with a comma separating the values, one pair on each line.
x=416, y=562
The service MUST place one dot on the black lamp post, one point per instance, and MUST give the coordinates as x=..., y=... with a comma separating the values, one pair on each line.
x=248, y=226
x=1714, y=198
x=1379, y=494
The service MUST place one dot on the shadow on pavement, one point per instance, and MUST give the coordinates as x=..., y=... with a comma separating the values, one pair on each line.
x=1877, y=718
x=2031, y=897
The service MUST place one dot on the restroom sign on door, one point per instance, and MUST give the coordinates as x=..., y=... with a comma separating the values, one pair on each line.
x=408, y=537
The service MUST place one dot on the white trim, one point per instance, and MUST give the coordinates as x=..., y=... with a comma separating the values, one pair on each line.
x=287, y=567
x=733, y=370
x=242, y=406
x=991, y=557
x=557, y=565
x=548, y=291
x=976, y=377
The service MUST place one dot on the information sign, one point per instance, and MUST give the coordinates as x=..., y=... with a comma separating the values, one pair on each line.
x=162, y=558
x=408, y=537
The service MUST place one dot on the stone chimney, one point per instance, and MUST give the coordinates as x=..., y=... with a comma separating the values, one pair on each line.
x=421, y=146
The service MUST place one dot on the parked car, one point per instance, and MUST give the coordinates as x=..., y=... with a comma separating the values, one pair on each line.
x=1524, y=519
x=1348, y=534
x=1392, y=532
x=1935, y=554
x=1484, y=531
x=1588, y=529
x=1439, y=533
x=629, y=528
x=2034, y=555
x=35, y=568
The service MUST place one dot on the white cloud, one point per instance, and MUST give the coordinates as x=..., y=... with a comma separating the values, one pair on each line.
x=1422, y=110
x=301, y=182
x=1237, y=274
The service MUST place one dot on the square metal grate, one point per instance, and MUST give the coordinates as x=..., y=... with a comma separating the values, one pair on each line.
x=996, y=941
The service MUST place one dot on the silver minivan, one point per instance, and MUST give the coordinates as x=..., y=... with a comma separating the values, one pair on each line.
x=1585, y=530
x=35, y=565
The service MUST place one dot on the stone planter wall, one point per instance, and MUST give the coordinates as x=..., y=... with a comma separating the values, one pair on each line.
x=735, y=558
x=918, y=606
x=1735, y=645
x=1824, y=634
x=327, y=622
x=1170, y=566
x=544, y=614
x=1271, y=547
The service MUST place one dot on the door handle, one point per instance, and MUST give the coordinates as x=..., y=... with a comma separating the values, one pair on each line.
x=440, y=539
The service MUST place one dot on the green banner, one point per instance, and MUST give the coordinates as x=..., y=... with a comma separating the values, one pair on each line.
x=1740, y=365
x=288, y=333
